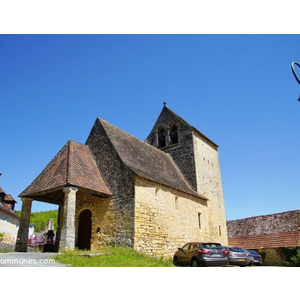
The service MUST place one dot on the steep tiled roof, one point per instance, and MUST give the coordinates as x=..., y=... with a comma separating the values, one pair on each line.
x=4, y=207
x=267, y=231
x=9, y=198
x=273, y=240
x=147, y=161
x=73, y=165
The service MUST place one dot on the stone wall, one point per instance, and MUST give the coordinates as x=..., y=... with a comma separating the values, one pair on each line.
x=198, y=160
x=181, y=152
x=111, y=223
x=115, y=216
x=7, y=247
x=151, y=217
x=166, y=219
x=209, y=184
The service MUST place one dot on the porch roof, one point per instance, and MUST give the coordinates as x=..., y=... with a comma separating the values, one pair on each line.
x=73, y=165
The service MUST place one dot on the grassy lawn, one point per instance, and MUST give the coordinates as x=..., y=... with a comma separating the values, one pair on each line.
x=110, y=257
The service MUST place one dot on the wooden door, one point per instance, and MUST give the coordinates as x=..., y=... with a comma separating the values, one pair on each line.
x=85, y=230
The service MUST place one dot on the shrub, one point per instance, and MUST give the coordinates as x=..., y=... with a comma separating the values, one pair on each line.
x=292, y=257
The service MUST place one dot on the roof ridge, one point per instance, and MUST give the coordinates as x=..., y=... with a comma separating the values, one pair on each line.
x=177, y=116
x=266, y=215
x=68, y=162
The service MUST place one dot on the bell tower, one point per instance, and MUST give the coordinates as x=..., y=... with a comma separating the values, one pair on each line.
x=174, y=135
x=197, y=158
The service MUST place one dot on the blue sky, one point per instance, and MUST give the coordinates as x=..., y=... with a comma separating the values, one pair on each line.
x=238, y=90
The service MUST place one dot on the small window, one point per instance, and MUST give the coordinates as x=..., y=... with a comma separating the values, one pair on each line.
x=194, y=246
x=176, y=203
x=156, y=192
x=186, y=247
x=199, y=220
x=4, y=225
x=220, y=230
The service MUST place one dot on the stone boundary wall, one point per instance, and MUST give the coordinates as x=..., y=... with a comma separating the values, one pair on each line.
x=267, y=224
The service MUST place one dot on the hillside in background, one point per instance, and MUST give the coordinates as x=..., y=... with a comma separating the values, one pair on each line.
x=39, y=219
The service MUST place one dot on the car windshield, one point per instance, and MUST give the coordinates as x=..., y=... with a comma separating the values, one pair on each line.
x=212, y=246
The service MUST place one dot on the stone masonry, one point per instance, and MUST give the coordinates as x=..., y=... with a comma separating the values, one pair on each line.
x=153, y=196
x=165, y=219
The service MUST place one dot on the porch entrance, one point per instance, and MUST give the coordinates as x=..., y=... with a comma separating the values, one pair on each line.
x=85, y=230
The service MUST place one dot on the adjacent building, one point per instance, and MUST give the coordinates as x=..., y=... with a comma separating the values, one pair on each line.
x=9, y=220
x=268, y=234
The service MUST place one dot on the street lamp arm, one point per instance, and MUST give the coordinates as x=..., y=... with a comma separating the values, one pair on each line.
x=294, y=72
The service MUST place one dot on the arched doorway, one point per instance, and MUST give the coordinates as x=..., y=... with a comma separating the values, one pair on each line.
x=85, y=230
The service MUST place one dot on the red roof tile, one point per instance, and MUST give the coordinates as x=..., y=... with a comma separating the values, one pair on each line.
x=9, y=211
x=9, y=198
x=267, y=231
x=73, y=165
x=274, y=240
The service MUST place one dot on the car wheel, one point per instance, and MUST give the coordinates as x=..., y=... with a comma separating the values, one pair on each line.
x=194, y=262
x=175, y=261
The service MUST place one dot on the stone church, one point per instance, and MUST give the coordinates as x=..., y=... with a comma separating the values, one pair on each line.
x=153, y=195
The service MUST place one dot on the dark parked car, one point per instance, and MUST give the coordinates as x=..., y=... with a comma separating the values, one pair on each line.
x=257, y=258
x=201, y=254
x=237, y=256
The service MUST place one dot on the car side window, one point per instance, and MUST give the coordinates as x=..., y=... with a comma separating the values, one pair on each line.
x=194, y=246
x=185, y=247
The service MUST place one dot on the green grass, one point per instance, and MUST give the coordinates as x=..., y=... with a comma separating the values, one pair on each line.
x=110, y=257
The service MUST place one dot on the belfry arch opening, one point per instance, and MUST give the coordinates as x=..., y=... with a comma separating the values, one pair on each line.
x=173, y=134
x=161, y=137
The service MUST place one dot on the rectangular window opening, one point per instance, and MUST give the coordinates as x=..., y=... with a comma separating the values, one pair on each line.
x=176, y=203
x=199, y=220
x=156, y=192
